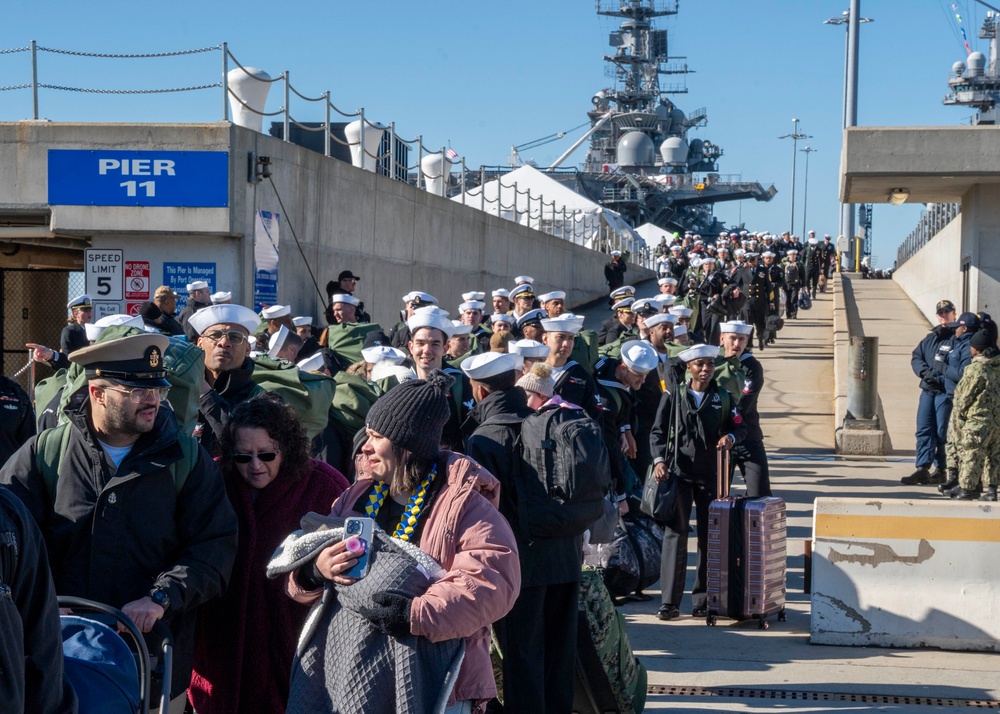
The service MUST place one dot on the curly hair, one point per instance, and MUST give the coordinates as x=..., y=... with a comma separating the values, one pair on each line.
x=269, y=413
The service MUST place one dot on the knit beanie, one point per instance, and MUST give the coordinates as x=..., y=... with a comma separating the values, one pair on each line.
x=981, y=340
x=538, y=379
x=413, y=414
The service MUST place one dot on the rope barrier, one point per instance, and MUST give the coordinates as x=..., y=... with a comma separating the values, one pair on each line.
x=302, y=96
x=247, y=106
x=87, y=90
x=343, y=113
x=248, y=73
x=149, y=55
x=303, y=127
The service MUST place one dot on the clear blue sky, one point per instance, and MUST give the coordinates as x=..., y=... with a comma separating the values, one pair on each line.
x=484, y=76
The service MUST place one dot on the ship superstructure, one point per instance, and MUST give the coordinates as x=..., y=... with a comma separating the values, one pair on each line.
x=976, y=81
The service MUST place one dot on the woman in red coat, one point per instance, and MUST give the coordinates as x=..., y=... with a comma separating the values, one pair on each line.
x=246, y=639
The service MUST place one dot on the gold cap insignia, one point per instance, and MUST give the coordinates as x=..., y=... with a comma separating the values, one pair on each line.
x=154, y=357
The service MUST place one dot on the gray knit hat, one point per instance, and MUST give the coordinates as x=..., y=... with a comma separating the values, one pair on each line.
x=413, y=414
x=538, y=380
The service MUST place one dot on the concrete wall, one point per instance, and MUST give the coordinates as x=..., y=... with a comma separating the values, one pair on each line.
x=397, y=237
x=935, y=272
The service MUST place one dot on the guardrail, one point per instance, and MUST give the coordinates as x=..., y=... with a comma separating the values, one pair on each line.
x=932, y=221
x=537, y=213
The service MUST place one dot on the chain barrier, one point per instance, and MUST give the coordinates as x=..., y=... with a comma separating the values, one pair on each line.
x=26, y=367
x=149, y=55
x=16, y=86
x=86, y=90
x=14, y=49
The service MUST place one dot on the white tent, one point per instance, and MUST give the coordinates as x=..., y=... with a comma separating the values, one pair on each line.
x=535, y=199
x=652, y=234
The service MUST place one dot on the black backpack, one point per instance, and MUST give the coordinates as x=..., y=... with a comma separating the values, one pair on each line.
x=564, y=473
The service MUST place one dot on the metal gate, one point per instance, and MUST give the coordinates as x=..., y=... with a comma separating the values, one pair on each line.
x=32, y=309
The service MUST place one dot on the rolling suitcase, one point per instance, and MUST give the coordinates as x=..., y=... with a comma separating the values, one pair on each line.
x=746, y=554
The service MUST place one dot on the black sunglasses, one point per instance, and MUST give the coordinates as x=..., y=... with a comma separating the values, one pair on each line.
x=265, y=456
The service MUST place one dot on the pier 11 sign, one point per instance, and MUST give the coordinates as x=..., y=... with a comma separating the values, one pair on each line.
x=98, y=177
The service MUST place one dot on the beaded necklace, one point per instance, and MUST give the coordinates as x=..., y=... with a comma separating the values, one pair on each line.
x=413, y=509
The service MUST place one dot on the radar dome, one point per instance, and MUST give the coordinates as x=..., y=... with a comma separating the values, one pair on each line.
x=636, y=149
x=958, y=68
x=663, y=113
x=678, y=118
x=674, y=150
x=976, y=64
x=696, y=148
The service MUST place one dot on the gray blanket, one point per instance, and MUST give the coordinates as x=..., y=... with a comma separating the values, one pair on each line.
x=343, y=664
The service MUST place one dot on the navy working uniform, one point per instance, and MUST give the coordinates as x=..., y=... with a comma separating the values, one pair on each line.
x=934, y=407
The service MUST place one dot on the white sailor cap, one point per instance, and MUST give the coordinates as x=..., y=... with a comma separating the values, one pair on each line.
x=94, y=329
x=502, y=317
x=624, y=305
x=813, y=241
x=386, y=369
x=681, y=311
x=489, y=364
x=695, y=262
x=616, y=253
x=79, y=301
x=639, y=356
x=501, y=292
x=812, y=233
x=312, y=363
x=530, y=349
x=302, y=321
x=707, y=259
x=680, y=330
x=749, y=254
x=224, y=314
x=723, y=248
x=524, y=279
x=665, y=300
x=522, y=291
x=736, y=326
x=554, y=295
x=197, y=285
x=472, y=305
x=826, y=235
x=383, y=353
x=667, y=281
x=699, y=352
x=460, y=328
x=431, y=317
x=531, y=316
x=767, y=254
x=724, y=234
x=654, y=320
x=739, y=252
x=567, y=322
x=473, y=296
x=419, y=298
x=252, y=341
x=221, y=298
x=791, y=251
x=275, y=311
x=623, y=292
x=677, y=248
x=344, y=298
x=277, y=341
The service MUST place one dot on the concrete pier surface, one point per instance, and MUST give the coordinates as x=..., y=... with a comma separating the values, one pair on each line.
x=740, y=668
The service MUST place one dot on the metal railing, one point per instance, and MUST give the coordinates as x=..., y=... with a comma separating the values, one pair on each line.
x=932, y=221
x=533, y=211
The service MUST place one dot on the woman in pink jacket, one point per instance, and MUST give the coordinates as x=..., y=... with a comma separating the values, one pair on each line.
x=444, y=503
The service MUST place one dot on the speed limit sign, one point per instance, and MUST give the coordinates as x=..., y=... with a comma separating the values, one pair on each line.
x=104, y=273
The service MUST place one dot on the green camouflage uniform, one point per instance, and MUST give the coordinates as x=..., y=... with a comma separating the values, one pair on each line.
x=973, y=439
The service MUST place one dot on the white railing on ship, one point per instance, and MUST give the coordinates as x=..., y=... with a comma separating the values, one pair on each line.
x=932, y=221
x=601, y=237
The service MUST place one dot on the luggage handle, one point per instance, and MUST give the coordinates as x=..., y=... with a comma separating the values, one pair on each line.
x=722, y=473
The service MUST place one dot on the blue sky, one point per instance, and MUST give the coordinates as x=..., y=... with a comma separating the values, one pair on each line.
x=484, y=76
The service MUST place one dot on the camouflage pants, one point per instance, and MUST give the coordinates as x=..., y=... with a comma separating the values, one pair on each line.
x=975, y=451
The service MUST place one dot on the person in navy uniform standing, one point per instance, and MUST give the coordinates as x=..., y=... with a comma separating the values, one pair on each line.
x=74, y=335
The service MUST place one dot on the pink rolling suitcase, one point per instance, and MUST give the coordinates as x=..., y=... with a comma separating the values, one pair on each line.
x=746, y=554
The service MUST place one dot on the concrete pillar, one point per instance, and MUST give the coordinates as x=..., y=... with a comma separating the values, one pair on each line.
x=981, y=245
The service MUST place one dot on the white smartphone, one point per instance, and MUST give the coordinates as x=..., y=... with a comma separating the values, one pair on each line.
x=364, y=530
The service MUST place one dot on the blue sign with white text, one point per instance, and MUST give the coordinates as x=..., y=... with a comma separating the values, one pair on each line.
x=98, y=177
x=176, y=276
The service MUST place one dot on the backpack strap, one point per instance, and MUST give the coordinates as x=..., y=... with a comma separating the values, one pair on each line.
x=182, y=468
x=50, y=445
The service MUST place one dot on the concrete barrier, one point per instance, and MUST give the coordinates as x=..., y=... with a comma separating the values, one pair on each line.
x=900, y=573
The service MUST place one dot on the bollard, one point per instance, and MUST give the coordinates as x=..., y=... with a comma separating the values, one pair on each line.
x=862, y=383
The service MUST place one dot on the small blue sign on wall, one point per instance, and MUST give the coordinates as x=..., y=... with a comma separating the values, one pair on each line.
x=98, y=177
x=176, y=276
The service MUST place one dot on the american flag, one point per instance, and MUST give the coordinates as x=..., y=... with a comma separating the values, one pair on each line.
x=451, y=153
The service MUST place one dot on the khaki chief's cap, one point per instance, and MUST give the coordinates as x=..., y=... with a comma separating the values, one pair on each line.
x=135, y=361
x=164, y=290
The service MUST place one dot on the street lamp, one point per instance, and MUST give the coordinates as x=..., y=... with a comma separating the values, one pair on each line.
x=805, y=193
x=851, y=19
x=794, y=136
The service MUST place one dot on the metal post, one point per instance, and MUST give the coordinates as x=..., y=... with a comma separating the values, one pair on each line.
x=285, y=129
x=326, y=124
x=394, y=163
x=851, y=113
x=463, y=180
x=34, y=79
x=795, y=143
x=444, y=162
x=364, y=154
x=31, y=374
x=862, y=383
x=225, y=81
x=805, y=191
x=420, y=158
x=482, y=189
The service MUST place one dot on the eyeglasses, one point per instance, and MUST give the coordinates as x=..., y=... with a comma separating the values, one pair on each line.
x=265, y=456
x=234, y=336
x=139, y=394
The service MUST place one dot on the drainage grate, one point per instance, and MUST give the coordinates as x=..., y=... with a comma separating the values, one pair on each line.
x=745, y=693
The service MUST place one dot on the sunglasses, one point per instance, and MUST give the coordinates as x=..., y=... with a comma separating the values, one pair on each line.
x=265, y=456
x=234, y=336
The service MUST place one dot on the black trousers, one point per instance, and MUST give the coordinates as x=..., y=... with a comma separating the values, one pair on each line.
x=538, y=641
x=673, y=559
x=751, y=457
x=791, y=301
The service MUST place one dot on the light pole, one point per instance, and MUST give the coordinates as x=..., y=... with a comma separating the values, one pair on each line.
x=794, y=136
x=805, y=192
x=851, y=19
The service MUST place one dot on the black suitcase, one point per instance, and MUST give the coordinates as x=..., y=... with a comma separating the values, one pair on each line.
x=746, y=554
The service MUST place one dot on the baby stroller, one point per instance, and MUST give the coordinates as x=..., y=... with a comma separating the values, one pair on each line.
x=100, y=665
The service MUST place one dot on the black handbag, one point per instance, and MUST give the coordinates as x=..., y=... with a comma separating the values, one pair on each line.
x=658, y=497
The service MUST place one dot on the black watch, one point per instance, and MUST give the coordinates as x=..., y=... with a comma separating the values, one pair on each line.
x=160, y=597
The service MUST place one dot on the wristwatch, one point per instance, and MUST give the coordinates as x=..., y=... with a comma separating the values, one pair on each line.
x=160, y=597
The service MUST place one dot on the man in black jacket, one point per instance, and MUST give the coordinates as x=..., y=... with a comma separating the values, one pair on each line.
x=614, y=272
x=199, y=296
x=538, y=636
x=934, y=407
x=134, y=514
x=17, y=418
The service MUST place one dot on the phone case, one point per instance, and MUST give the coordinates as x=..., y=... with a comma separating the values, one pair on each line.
x=364, y=529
